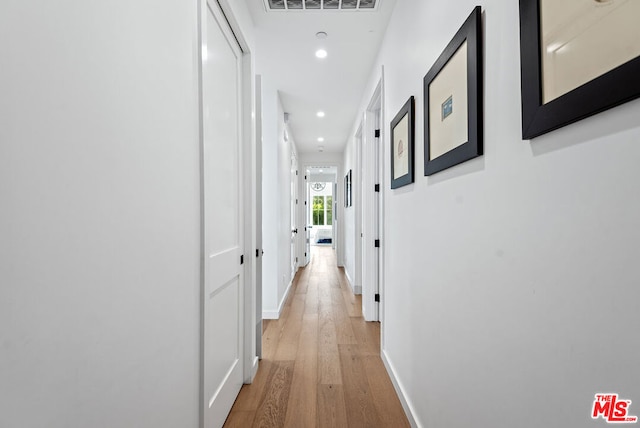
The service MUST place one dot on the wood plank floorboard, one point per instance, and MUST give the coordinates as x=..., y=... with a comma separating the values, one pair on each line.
x=305, y=377
x=240, y=419
x=273, y=407
x=384, y=395
x=321, y=363
x=331, y=406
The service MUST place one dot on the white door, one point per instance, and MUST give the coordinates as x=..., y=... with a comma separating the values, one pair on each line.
x=294, y=214
x=371, y=241
x=307, y=220
x=376, y=218
x=258, y=226
x=223, y=213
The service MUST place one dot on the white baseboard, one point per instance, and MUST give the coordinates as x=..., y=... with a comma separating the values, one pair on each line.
x=357, y=289
x=274, y=315
x=270, y=315
x=254, y=368
x=406, y=404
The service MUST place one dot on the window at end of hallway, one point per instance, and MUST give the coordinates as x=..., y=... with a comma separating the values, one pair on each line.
x=322, y=210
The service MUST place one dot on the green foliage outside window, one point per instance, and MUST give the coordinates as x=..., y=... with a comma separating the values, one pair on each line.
x=322, y=210
x=318, y=210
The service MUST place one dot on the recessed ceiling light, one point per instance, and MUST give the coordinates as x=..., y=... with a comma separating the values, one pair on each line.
x=320, y=114
x=320, y=139
x=319, y=170
x=321, y=35
x=321, y=53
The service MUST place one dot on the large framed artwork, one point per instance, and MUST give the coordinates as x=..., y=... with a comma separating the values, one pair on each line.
x=453, y=114
x=577, y=58
x=402, y=145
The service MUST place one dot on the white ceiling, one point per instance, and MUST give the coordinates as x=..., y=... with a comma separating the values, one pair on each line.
x=285, y=56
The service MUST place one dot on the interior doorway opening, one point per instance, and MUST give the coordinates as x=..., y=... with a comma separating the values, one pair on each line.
x=321, y=208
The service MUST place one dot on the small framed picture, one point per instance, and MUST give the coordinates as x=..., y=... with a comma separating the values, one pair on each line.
x=346, y=191
x=453, y=100
x=350, y=189
x=348, y=197
x=402, y=145
x=576, y=60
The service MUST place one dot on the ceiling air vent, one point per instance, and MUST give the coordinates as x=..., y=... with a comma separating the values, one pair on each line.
x=284, y=5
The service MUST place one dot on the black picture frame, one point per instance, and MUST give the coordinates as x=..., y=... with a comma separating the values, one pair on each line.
x=611, y=89
x=470, y=32
x=403, y=134
x=346, y=191
x=350, y=188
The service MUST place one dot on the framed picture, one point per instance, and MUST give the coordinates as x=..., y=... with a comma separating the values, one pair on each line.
x=349, y=186
x=402, y=145
x=577, y=58
x=346, y=191
x=453, y=114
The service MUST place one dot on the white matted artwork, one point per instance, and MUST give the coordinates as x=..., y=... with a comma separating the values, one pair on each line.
x=400, y=149
x=577, y=58
x=448, y=106
x=402, y=144
x=582, y=40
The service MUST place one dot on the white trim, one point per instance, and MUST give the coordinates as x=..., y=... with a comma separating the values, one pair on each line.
x=254, y=368
x=372, y=259
x=250, y=202
x=355, y=289
x=397, y=385
x=274, y=315
x=358, y=202
x=382, y=172
x=247, y=135
x=258, y=212
x=236, y=29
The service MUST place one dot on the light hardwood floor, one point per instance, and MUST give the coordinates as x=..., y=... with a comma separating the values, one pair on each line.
x=321, y=363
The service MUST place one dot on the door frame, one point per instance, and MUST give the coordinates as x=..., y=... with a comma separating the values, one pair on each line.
x=303, y=165
x=249, y=193
x=295, y=212
x=373, y=259
x=358, y=198
x=257, y=166
x=304, y=218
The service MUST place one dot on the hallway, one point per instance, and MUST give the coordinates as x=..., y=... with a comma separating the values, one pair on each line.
x=321, y=364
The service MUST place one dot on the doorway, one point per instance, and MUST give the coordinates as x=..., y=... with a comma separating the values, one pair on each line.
x=227, y=352
x=371, y=154
x=321, y=208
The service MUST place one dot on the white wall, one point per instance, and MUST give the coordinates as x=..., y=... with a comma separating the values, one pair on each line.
x=100, y=218
x=269, y=97
x=276, y=200
x=511, y=281
x=350, y=213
